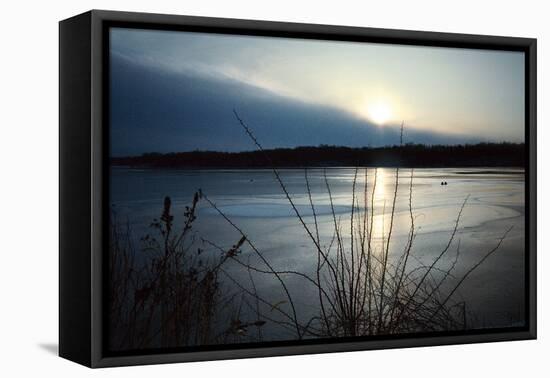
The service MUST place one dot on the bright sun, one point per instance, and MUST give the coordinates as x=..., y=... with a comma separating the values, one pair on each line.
x=379, y=112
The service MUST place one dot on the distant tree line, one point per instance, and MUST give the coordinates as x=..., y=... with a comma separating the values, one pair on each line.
x=409, y=155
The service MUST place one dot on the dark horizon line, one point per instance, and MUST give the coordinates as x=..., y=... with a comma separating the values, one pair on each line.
x=323, y=146
x=411, y=155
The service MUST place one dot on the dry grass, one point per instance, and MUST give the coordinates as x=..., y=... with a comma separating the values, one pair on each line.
x=173, y=297
x=367, y=288
x=364, y=282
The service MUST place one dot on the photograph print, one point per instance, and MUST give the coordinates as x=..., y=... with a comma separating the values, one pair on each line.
x=267, y=191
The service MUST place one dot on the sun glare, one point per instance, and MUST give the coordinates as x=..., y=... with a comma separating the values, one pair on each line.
x=379, y=112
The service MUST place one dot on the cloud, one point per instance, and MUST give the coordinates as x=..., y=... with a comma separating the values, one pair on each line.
x=155, y=109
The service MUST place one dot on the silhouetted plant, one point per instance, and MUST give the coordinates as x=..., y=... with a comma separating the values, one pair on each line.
x=173, y=297
x=364, y=284
x=361, y=291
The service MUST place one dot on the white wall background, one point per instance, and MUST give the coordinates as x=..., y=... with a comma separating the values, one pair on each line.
x=29, y=186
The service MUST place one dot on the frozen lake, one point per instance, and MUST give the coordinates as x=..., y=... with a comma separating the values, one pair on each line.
x=253, y=200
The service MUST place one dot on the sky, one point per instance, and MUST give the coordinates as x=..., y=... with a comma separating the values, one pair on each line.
x=175, y=91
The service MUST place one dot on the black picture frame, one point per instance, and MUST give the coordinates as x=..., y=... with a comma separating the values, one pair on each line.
x=83, y=122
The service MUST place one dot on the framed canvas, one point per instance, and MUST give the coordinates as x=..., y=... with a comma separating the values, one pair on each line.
x=234, y=188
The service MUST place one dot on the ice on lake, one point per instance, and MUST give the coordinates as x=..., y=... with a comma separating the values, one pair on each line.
x=493, y=199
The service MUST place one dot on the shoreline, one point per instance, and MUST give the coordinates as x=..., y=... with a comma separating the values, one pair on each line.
x=488, y=169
